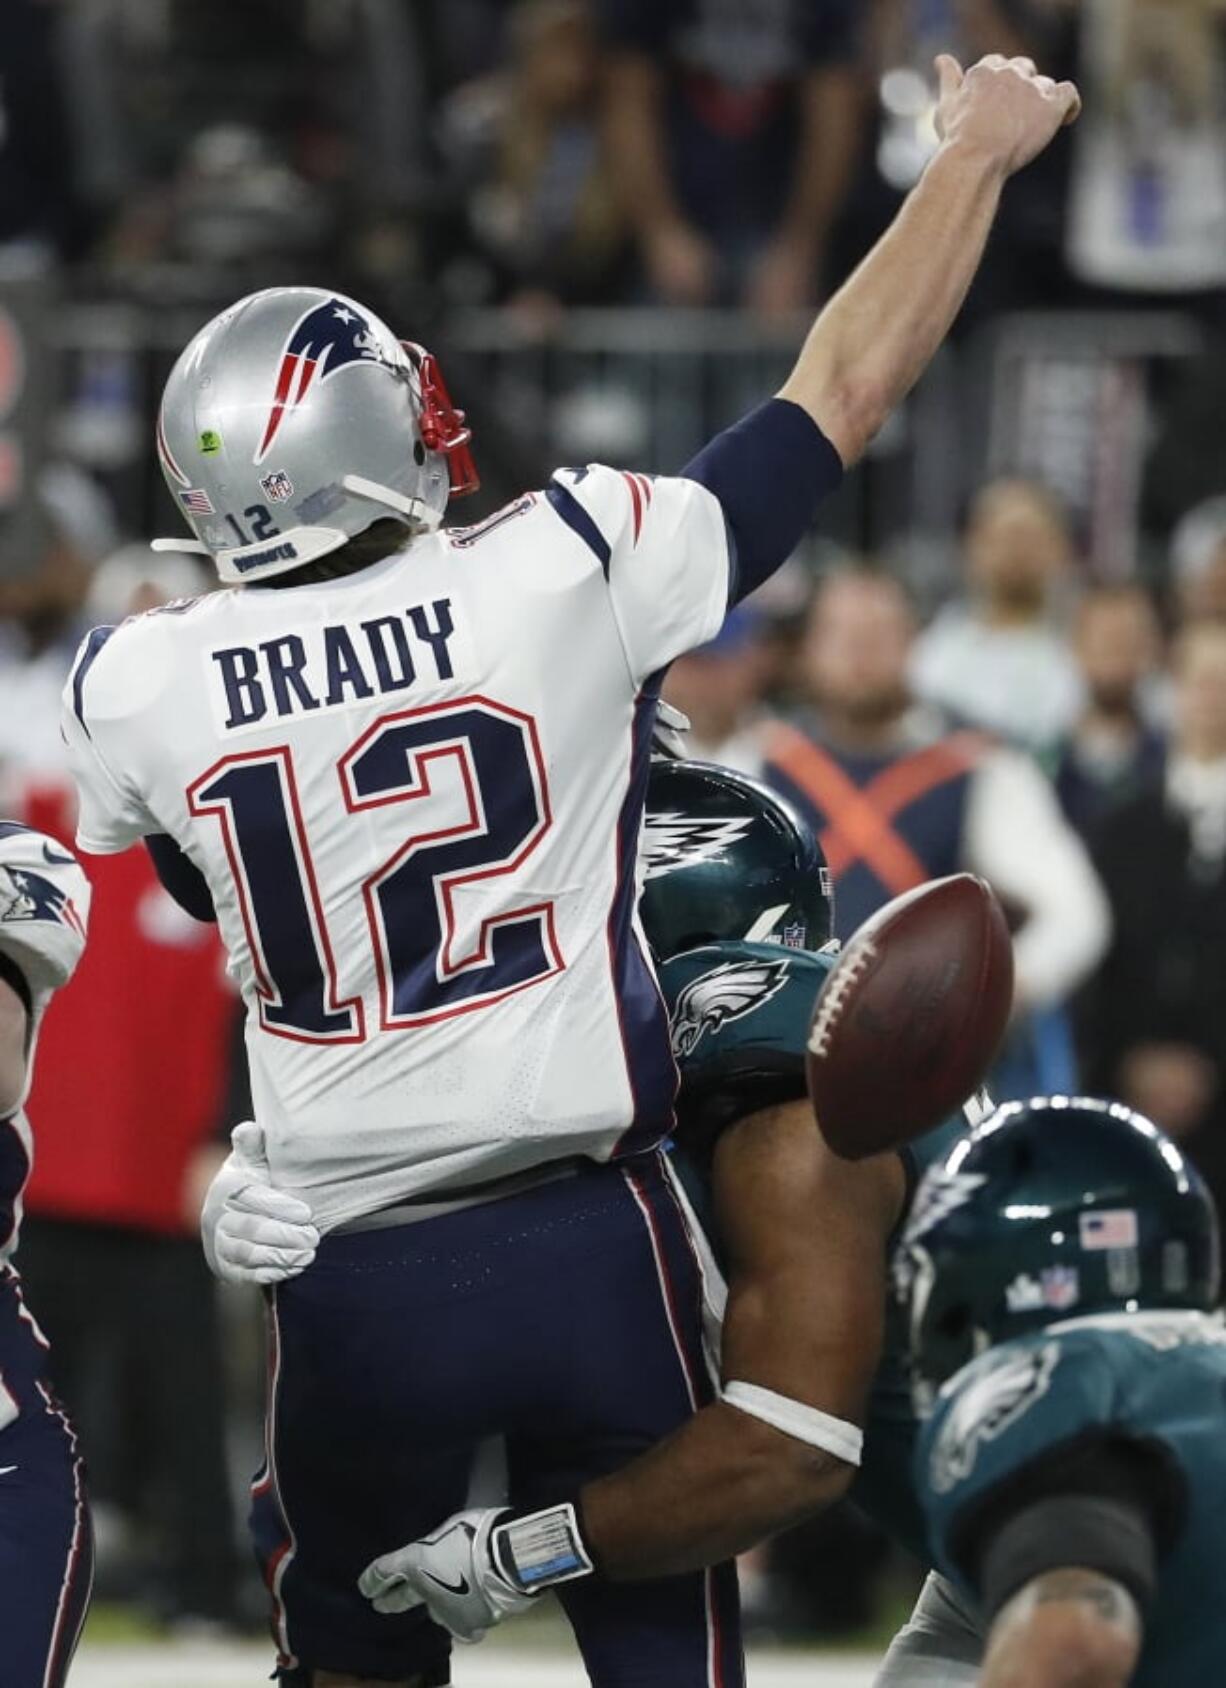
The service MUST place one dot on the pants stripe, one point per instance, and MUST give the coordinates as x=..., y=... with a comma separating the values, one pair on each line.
x=63, y=1637
x=693, y=1383
x=714, y=1288
x=639, y=1192
x=279, y=1564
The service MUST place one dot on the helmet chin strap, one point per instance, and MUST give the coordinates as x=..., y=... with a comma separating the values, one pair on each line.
x=193, y=547
x=309, y=543
x=413, y=510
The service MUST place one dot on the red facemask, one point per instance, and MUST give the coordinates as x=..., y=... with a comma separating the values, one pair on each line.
x=441, y=424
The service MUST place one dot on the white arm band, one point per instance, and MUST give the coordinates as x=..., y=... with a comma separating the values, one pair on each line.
x=807, y=1424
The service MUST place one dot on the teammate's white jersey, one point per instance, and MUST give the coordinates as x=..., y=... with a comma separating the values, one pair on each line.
x=416, y=796
x=44, y=909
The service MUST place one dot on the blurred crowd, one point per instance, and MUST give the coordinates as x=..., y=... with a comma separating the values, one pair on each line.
x=560, y=152
x=1054, y=725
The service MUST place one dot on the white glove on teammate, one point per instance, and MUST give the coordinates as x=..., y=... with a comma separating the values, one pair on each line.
x=253, y=1233
x=479, y=1567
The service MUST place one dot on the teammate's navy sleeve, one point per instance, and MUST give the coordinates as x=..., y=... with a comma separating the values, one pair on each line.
x=770, y=471
x=180, y=877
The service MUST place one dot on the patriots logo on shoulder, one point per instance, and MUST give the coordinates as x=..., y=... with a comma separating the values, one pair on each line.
x=675, y=840
x=28, y=896
x=326, y=339
x=726, y=993
x=985, y=1406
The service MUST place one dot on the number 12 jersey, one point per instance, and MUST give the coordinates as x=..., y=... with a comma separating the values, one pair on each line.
x=415, y=794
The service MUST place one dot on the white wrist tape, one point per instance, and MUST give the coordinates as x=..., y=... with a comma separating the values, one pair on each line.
x=807, y=1424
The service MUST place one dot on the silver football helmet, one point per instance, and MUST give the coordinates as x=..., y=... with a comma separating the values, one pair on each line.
x=296, y=419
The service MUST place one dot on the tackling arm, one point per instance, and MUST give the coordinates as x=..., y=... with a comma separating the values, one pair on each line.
x=806, y=1236
x=1069, y=1628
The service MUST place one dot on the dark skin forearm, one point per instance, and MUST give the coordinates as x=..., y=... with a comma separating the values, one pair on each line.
x=806, y=1237
x=711, y=1490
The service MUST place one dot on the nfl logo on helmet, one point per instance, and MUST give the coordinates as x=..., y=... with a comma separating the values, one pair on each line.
x=277, y=486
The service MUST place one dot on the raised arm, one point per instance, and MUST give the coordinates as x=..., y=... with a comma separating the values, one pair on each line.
x=877, y=335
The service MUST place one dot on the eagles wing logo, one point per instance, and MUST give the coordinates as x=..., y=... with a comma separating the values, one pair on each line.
x=726, y=993
x=676, y=840
x=325, y=340
x=985, y=1407
x=940, y=1194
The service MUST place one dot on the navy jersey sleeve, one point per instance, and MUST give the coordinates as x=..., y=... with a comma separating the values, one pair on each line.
x=770, y=472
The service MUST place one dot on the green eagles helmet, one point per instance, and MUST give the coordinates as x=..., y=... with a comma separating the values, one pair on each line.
x=724, y=857
x=1050, y=1209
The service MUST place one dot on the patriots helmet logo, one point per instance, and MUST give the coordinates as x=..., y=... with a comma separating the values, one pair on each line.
x=675, y=840
x=28, y=896
x=326, y=339
x=726, y=993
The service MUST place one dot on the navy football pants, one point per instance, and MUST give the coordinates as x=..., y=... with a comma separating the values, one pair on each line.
x=565, y=1320
x=46, y=1547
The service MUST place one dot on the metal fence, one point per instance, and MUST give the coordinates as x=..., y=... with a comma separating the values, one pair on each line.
x=1072, y=399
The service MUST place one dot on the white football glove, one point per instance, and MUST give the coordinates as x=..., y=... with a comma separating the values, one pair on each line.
x=479, y=1567
x=252, y=1232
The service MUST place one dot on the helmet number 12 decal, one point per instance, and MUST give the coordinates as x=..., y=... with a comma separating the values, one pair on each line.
x=468, y=778
x=263, y=525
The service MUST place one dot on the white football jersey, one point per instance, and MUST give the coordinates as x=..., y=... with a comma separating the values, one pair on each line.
x=44, y=910
x=416, y=795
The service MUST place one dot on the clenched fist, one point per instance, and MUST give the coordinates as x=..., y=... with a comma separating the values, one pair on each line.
x=1002, y=108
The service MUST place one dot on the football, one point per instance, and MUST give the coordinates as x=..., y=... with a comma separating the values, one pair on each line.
x=911, y=1017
